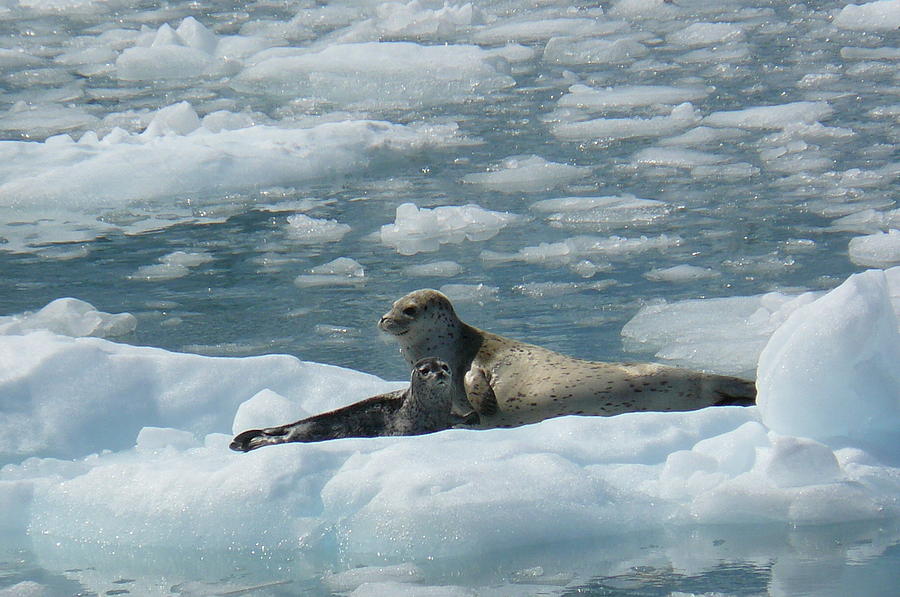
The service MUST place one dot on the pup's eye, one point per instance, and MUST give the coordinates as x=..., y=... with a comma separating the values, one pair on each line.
x=409, y=311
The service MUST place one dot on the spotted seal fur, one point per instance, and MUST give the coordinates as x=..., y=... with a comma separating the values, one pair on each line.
x=501, y=382
x=423, y=407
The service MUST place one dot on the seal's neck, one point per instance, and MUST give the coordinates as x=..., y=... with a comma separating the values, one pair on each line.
x=456, y=344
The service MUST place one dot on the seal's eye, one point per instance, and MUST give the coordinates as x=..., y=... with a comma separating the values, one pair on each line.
x=410, y=311
x=445, y=368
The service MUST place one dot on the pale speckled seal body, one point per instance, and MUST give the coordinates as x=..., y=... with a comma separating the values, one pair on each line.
x=510, y=383
x=423, y=407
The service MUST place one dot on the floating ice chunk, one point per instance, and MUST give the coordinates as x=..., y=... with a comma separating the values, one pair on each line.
x=379, y=74
x=439, y=269
x=266, y=409
x=676, y=158
x=831, y=369
x=881, y=249
x=418, y=20
x=177, y=119
x=16, y=58
x=94, y=55
x=892, y=111
x=43, y=120
x=193, y=34
x=160, y=271
x=573, y=51
x=174, y=265
x=681, y=273
x=552, y=289
x=470, y=293
x=339, y=272
x=771, y=117
x=513, y=53
x=588, y=269
x=628, y=96
x=868, y=221
x=717, y=55
x=579, y=247
x=192, y=259
x=725, y=335
x=424, y=230
x=526, y=31
x=612, y=129
x=883, y=15
x=703, y=136
x=615, y=210
x=701, y=164
x=185, y=53
x=614, y=202
x=850, y=53
x=527, y=174
x=396, y=589
x=350, y=580
x=705, y=34
x=127, y=182
x=818, y=80
x=642, y=8
x=342, y=266
x=70, y=317
x=792, y=133
x=307, y=230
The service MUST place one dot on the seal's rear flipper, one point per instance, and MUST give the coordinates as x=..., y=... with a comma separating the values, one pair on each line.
x=734, y=391
x=257, y=438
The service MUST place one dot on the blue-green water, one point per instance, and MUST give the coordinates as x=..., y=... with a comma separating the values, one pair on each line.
x=769, y=229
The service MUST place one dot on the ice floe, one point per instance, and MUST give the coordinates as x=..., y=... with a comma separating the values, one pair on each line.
x=434, y=74
x=424, y=230
x=527, y=174
x=793, y=461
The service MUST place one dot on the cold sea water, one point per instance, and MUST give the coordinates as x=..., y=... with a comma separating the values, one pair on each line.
x=256, y=178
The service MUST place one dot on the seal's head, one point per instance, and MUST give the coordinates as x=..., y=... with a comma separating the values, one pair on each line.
x=419, y=314
x=431, y=370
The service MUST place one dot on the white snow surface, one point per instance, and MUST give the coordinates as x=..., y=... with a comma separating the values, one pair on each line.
x=149, y=429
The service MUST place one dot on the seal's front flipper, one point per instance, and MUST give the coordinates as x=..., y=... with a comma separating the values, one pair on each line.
x=479, y=392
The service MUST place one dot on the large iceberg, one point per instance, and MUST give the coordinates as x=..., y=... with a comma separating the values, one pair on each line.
x=116, y=450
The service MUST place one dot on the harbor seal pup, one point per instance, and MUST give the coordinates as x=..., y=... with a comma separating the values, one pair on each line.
x=508, y=383
x=423, y=407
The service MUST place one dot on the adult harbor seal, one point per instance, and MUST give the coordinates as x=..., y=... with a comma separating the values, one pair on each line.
x=510, y=383
x=423, y=407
